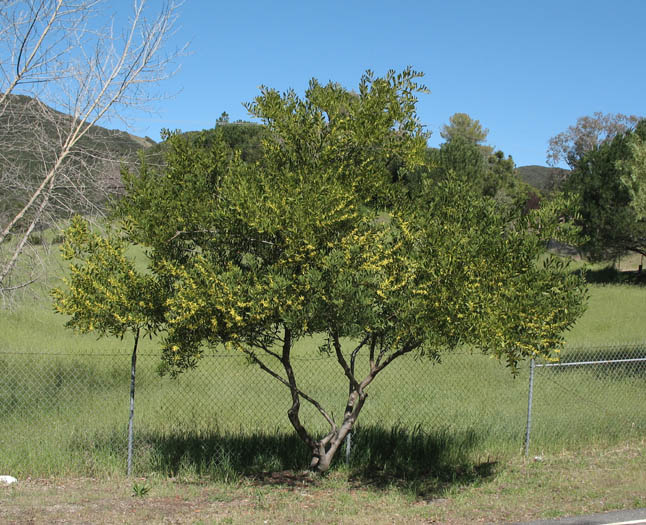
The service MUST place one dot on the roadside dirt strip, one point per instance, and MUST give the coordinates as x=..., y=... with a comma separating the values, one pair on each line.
x=624, y=517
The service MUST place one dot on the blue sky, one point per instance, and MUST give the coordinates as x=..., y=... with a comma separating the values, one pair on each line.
x=526, y=69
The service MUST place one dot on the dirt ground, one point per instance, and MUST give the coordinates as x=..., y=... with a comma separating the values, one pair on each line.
x=553, y=486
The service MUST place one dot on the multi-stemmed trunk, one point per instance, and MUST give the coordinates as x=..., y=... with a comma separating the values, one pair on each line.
x=323, y=450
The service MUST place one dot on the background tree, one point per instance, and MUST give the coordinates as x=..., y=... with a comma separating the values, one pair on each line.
x=587, y=134
x=316, y=239
x=633, y=171
x=76, y=73
x=244, y=137
x=490, y=172
x=608, y=182
x=464, y=127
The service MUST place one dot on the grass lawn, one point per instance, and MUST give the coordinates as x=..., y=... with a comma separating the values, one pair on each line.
x=436, y=442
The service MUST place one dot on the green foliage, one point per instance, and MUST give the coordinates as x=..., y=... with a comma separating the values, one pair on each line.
x=105, y=292
x=609, y=184
x=462, y=126
x=588, y=134
x=465, y=155
x=139, y=490
x=245, y=137
x=488, y=173
x=236, y=138
x=318, y=237
x=463, y=158
x=633, y=171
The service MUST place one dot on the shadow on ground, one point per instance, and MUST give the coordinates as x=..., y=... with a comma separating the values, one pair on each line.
x=413, y=460
x=425, y=462
x=610, y=275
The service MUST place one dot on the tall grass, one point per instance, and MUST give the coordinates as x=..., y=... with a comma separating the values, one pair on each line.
x=68, y=414
x=64, y=403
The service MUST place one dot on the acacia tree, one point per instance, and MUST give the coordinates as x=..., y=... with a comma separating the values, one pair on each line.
x=316, y=238
x=107, y=295
x=64, y=67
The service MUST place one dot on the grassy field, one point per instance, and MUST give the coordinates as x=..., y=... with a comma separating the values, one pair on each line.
x=468, y=406
x=450, y=434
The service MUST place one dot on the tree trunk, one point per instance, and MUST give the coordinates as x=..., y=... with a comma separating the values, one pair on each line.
x=325, y=450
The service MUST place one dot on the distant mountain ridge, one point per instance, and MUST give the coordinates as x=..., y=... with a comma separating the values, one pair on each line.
x=544, y=178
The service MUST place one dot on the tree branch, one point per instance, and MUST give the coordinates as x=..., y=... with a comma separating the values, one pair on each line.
x=92, y=72
x=354, y=385
x=296, y=393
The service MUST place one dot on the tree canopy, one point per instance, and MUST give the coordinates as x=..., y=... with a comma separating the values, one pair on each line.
x=462, y=126
x=587, y=134
x=464, y=154
x=317, y=239
x=610, y=185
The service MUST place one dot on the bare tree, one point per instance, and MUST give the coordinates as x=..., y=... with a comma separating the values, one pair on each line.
x=65, y=66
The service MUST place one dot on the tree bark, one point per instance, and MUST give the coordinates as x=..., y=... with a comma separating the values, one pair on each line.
x=324, y=450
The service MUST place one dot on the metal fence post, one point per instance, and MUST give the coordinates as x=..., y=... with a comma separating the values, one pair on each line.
x=133, y=367
x=528, y=429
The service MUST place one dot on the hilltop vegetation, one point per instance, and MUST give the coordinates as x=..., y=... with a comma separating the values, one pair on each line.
x=542, y=178
x=97, y=160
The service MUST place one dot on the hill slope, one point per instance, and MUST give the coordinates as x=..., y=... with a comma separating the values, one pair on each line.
x=543, y=178
x=32, y=134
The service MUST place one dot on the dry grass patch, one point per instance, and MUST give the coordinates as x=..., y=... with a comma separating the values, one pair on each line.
x=564, y=484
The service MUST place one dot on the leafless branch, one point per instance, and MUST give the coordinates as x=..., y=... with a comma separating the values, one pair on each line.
x=65, y=66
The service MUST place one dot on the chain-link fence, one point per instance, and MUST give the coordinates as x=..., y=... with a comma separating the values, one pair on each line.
x=592, y=393
x=69, y=413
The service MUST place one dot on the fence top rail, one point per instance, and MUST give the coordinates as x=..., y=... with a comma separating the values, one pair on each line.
x=603, y=362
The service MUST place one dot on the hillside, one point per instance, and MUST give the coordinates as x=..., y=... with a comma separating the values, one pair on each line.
x=22, y=116
x=543, y=178
x=29, y=140
x=32, y=133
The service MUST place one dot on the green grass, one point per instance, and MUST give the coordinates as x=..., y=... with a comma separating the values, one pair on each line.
x=65, y=397
x=68, y=415
x=615, y=315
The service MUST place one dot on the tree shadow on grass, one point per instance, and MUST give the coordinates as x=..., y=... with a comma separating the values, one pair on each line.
x=426, y=463
x=610, y=275
x=224, y=455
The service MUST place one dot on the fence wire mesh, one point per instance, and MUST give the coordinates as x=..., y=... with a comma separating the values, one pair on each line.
x=591, y=393
x=70, y=412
